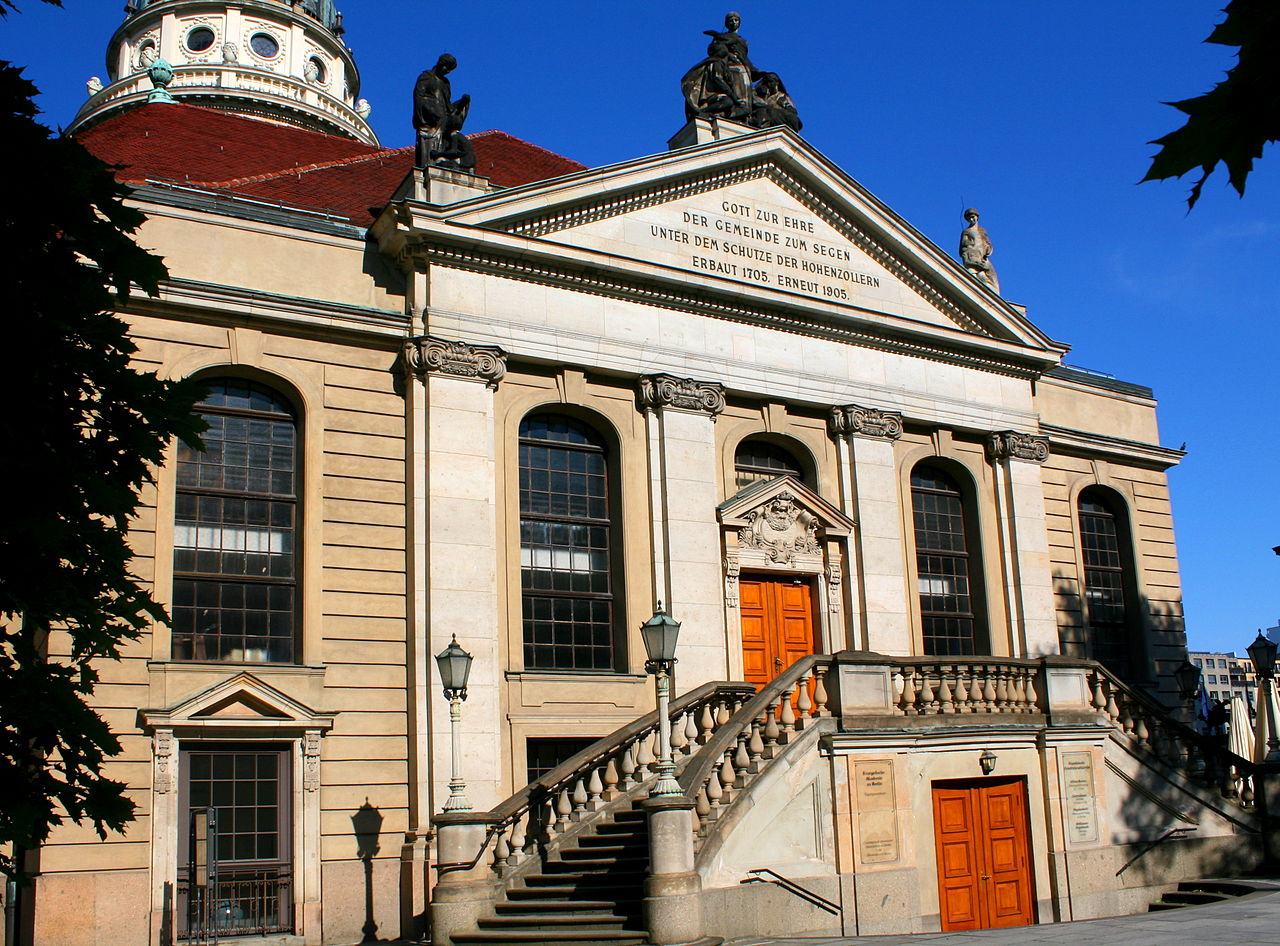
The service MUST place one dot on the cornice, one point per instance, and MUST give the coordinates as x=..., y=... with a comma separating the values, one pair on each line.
x=1087, y=443
x=553, y=264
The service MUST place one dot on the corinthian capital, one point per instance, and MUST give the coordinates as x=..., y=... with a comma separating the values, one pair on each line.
x=867, y=421
x=663, y=390
x=426, y=355
x=1011, y=445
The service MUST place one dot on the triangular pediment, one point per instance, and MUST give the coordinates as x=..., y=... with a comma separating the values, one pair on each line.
x=762, y=215
x=788, y=495
x=243, y=700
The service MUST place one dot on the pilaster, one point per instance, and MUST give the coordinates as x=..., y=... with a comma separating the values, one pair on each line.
x=455, y=564
x=680, y=421
x=865, y=438
x=1024, y=541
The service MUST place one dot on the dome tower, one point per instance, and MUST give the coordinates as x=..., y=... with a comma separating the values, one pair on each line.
x=278, y=60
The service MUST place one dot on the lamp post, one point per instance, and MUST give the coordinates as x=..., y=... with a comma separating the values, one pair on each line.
x=455, y=667
x=1263, y=654
x=659, y=634
x=1188, y=678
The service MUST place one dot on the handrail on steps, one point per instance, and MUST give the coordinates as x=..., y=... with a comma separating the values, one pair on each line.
x=804, y=893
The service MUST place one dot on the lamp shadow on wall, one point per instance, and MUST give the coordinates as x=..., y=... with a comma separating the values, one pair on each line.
x=366, y=825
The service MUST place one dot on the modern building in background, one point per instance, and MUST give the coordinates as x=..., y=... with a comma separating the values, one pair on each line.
x=1226, y=675
x=925, y=571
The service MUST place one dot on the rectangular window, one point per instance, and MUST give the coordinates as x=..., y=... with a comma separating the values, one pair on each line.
x=543, y=755
x=943, y=565
x=235, y=869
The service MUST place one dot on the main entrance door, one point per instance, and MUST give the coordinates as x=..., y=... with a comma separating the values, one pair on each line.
x=777, y=626
x=984, y=854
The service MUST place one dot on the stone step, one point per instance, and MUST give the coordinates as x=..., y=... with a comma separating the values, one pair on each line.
x=540, y=937
x=558, y=922
x=622, y=895
x=1160, y=905
x=610, y=849
x=592, y=865
x=1225, y=887
x=1189, y=897
x=576, y=907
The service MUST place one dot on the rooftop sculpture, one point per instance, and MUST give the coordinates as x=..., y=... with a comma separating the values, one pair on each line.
x=438, y=119
x=727, y=85
x=976, y=250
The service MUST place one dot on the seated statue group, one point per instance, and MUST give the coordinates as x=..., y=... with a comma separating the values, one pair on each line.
x=727, y=85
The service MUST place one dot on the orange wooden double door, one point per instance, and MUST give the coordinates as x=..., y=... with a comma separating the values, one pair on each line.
x=777, y=626
x=984, y=854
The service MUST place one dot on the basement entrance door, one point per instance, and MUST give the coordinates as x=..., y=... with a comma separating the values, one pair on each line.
x=984, y=854
x=777, y=626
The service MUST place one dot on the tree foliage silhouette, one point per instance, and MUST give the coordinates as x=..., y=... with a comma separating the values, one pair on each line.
x=1231, y=123
x=81, y=430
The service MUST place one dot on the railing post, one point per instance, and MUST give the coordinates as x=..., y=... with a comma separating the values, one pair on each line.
x=673, y=889
x=465, y=885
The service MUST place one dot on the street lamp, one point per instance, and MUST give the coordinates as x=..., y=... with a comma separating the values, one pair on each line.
x=455, y=667
x=1188, y=677
x=1263, y=654
x=659, y=634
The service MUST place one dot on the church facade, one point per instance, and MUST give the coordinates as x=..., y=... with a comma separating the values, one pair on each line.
x=525, y=404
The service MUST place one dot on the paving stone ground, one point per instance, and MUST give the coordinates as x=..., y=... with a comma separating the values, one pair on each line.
x=1253, y=920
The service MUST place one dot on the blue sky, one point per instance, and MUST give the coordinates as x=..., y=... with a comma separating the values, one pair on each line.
x=1037, y=113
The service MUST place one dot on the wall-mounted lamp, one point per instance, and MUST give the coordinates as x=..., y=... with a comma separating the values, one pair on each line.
x=987, y=761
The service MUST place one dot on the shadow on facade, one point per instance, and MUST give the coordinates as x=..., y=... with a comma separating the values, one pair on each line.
x=366, y=825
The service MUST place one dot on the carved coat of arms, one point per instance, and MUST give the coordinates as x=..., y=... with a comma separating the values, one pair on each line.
x=781, y=529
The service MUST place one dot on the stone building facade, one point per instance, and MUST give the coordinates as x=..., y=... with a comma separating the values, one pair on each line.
x=521, y=408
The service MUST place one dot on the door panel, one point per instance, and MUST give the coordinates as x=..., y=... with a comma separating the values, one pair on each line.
x=984, y=855
x=777, y=626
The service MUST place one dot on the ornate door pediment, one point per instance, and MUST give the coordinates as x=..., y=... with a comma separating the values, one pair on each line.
x=781, y=523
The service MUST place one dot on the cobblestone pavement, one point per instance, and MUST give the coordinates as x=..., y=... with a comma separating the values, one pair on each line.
x=1252, y=920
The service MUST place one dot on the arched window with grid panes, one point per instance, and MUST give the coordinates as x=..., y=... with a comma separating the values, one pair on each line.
x=1109, y=588
x=947, y=570
x=234, y=548
x=758, y=459
x=568, y=552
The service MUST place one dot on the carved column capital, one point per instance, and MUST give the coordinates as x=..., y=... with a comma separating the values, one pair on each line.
x=427, y=354
x=1011, y=445
x=866, y=421
x=686, y=394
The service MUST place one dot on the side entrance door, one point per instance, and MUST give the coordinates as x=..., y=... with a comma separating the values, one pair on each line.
x=777, y=625
x=984, y=854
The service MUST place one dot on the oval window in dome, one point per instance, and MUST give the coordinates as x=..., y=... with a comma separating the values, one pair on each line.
x=200, y=39
x=264, y=45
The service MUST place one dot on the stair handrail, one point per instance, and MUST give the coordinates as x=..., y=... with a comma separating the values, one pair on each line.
x=722, y=768
x=549, y=806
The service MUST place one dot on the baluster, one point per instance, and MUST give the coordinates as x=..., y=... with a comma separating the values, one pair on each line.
x=1140, y=729
x=1112, y=709
x=755, y=746
x=501, y=853
x=771, y=733
x=945, y=703
x=727, y=776
x=715, y=791
x=722, y=714
x=990, y=703
x=804, y=705
x=742, y=758
x=629, y=767
x=1033, y=691
x=564, y=808
x=926, y=704
x=702, y=805
x=678, y=740
x=820, y=697
x=1002, y=689
x=786, y=714
x=644, y=755
x=579, y=799
x=1020, y=689
x=595, y=788
x=1099, y=699
x=962, y=690
x=907, y=702
x=611, y=779
x=518, y=840
x=690, y=731
x=706, y=724
x=1246, y=790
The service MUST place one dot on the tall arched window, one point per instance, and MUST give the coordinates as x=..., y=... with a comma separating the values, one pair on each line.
x=757, y=459
x=566, y=546
x=948, y=575
x=234, y=561
x=1108, y=581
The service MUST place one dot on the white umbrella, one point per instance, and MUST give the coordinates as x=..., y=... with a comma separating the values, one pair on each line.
x=1242, y=738
x=1266, y=692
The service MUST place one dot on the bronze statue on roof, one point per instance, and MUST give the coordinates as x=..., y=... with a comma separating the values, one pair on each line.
x=728, y=85
x=438, y=119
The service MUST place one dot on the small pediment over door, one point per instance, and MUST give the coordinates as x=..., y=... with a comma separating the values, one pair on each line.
x=782, y=523
x=243, y=702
